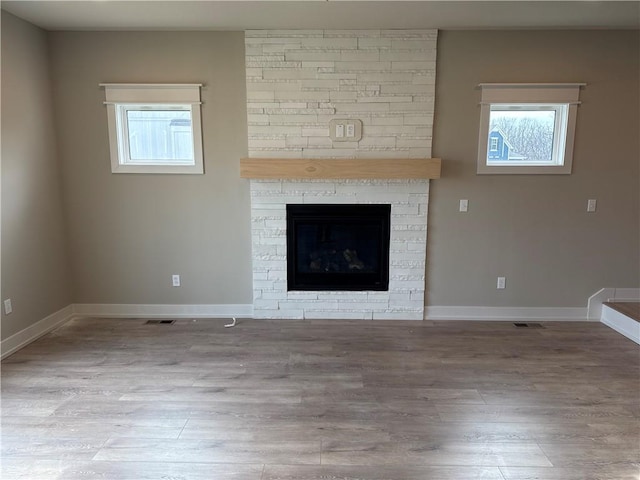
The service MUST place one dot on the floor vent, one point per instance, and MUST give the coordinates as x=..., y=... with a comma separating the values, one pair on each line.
x=528, y=325
x=160, y=322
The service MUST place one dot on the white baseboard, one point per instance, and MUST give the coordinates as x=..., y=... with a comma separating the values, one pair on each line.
x=507, y=314
x=621, y=324
x=25, y=337
x=29, y=334
x=44, y=326
x=112, y=310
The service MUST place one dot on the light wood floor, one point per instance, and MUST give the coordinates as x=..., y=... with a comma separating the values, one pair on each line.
x=300, y=400
x=630, y=309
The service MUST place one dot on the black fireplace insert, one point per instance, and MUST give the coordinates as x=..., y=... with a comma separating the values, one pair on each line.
x=338, y=247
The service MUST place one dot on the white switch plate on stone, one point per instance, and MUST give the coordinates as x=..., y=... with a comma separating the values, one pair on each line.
x=345, y=130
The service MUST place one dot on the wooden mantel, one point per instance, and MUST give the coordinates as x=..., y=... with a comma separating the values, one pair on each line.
x=335, y=168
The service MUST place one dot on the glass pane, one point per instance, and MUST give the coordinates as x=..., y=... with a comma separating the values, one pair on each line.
x=160, y=135
x=335, y=247
x=521, y=136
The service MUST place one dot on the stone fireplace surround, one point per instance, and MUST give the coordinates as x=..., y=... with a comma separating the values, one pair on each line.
x=297, y=82
x=407, y=253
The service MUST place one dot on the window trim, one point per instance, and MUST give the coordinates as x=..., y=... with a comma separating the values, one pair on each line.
x=518, y=96
x=119, y=96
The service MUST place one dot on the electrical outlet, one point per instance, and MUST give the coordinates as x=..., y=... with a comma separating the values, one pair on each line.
x=502, y=281
x=464, y=205
x=7, y=306
x=591, y=205
x=340, y=130
x=175, y=279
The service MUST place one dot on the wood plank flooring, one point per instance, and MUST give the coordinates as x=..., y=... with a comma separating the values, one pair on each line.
x=630, y=309
x=321, y=400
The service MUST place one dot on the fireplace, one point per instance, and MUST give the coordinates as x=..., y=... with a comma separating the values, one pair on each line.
x=404, y=297
x=303, y=166
x=338, y=247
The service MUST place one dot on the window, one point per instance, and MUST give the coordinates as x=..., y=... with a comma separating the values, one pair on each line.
x=527, y=128
x=154, y=128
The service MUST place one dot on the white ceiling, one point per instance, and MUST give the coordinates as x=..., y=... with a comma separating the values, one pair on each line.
x=333, y=14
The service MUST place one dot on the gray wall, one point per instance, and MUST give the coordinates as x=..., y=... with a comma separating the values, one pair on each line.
x=534, y=229
x=34, y=256
x=129, y=232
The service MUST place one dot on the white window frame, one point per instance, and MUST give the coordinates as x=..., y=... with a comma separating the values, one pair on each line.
x=121, y=97
x=560, y=97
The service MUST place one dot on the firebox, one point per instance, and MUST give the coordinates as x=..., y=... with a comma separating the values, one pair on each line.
x=338, y=247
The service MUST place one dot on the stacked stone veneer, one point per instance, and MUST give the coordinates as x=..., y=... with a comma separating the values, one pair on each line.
x=405, y=298
x=297, y=81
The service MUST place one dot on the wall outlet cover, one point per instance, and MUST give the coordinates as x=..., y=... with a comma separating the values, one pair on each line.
x=345, y=130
